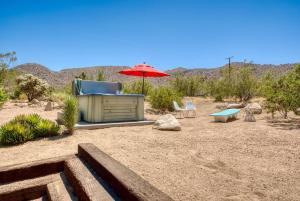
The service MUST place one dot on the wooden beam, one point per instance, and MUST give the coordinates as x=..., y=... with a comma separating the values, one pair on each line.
x=129, y=185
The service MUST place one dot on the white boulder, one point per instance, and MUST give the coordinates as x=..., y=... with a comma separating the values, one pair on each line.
x=167, y=122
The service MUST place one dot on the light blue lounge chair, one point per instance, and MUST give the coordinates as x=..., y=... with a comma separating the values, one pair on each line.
x=190, y=108
x=224, y=115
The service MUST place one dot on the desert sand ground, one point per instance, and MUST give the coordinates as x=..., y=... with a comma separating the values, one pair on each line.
x=205, y=161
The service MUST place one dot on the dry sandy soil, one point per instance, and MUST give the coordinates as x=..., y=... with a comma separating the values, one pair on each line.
x=205, y=161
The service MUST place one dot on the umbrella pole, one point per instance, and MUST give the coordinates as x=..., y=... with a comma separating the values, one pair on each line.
x=143, y=84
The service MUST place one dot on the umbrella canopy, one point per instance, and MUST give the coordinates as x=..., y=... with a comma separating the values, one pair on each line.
x=143, y=70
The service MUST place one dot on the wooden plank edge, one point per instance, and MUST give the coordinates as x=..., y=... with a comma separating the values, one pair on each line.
x=26, y=189
x=125, y=182
x=34, y=169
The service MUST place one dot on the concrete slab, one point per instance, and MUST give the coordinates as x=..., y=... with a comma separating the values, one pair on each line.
x=86, y=125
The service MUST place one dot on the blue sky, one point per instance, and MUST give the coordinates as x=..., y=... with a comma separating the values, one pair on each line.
x=164, y=33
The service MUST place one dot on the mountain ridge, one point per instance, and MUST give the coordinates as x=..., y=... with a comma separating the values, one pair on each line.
x=65, y=76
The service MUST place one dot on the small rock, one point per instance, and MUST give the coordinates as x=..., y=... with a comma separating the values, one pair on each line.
x=49, y=106
x=297, y=112
x=235, y=105
x=249, y=115
x=255, y=108
x=59, y=119
x=35, y=101
x=167, y=122
x=222, y=106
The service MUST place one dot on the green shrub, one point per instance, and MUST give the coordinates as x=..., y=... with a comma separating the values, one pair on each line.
x=59, y=97
x=14, y=133
x=162, y=98
x=192, y=85
x=136, y=87
x=26, y=127
x=101, y=75
x=3, y=96
x=70, y=113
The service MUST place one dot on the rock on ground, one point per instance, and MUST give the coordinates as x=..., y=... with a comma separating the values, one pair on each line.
x=167, y=122
x=49, y=106
x=235, y=105
x=35, y=101
x=255, y=108
x=249, y=117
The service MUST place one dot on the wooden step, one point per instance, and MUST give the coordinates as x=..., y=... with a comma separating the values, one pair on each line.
x=128, y=184
x=44, y=198
x=26, y=189
x=32, y=169
x=86, y=186
x=57, y=191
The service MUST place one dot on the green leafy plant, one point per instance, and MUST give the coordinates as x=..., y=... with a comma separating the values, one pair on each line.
x=70, y=113
x=32, y=86
x=162, y=98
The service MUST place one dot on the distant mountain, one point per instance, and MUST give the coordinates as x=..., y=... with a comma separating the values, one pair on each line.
x=65, y=76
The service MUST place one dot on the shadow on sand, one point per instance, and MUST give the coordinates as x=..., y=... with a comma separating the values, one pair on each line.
x=285, y=124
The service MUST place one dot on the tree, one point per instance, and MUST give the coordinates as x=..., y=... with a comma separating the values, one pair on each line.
x=32, y=86
x=282, y=94
x=101, y=76
x=245, y=84
x=6, y=60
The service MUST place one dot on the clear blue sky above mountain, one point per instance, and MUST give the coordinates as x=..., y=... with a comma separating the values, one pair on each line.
x=164, y=33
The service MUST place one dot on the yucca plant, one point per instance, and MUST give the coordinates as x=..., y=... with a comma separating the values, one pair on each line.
x=46, y=128
x=70, y=113
x=14, y=133
x=27, y=127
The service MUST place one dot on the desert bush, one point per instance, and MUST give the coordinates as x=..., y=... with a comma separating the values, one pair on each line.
x=162, y=98
x=59, y=97
x=70, y=113
x=188, y=86
x=101, y=75
x=136, y=87
x=27, y=127
x=216, y=88
x=32, y=86
x=3, y=96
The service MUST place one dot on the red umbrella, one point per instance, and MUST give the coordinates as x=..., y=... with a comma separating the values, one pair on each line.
x=143, y=70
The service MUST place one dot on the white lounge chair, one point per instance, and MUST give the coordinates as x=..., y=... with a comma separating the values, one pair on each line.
x=190, y=108
x=179, y=110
